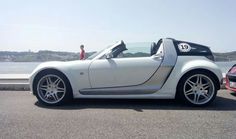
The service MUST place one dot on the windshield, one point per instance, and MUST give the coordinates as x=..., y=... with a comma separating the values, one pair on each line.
x=120, y=50
x=94, y=55
x=99, y=52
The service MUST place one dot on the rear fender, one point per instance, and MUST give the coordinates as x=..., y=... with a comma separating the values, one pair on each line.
x=185, y=64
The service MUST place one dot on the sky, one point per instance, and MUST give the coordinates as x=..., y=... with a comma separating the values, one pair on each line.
x=63, y=25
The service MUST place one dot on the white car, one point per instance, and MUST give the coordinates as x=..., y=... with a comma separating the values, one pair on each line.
x=167, y=69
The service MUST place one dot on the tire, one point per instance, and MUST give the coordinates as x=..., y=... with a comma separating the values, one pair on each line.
x=197, y=88
x=52, y=88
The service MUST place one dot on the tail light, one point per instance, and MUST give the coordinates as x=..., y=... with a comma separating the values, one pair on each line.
x=233, y=70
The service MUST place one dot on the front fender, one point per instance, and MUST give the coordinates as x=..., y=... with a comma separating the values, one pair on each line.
x=41, y=67
x=75, y=71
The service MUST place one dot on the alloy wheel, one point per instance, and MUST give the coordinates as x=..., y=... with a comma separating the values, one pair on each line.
x=199, y=89
x=51, y=89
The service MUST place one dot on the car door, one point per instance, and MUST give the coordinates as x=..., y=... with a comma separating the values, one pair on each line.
x=123, y=71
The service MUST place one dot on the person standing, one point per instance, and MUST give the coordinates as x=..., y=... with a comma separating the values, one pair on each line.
x=82, y=52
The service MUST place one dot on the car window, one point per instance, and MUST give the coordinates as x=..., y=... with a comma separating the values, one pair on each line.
x=136, y=50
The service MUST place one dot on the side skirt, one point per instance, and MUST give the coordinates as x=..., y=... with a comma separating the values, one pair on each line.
x=133, y=90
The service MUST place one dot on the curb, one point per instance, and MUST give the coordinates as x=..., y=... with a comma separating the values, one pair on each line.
x=14, y=82
x=15, y=87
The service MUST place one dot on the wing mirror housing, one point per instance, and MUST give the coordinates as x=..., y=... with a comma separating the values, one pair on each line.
x=109, y=55
x=158, y=55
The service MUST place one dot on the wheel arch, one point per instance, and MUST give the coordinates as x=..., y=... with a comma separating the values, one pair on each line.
x=46, y=70
x=211, y=73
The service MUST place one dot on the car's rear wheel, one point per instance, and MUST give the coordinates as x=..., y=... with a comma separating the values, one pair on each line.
x=197, y=88
x=52, y=88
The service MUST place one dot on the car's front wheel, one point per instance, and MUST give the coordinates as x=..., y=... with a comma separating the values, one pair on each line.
x=52, y=88
x=197, y=88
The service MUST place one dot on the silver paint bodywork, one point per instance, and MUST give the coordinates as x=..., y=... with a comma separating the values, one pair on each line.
x=166, y=55
x=160, y=82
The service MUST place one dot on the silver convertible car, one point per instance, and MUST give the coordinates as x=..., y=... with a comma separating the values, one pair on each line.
x=167, y=69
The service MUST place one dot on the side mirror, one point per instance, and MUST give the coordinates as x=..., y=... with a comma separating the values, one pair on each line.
x=109, y=55
x=158, y=55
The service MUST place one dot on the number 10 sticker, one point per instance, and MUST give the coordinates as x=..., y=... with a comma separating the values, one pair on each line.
x=184, y=47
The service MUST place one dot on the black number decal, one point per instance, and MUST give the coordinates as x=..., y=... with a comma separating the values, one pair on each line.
x=183, y=47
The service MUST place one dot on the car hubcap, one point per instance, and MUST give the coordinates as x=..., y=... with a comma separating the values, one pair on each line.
x=51, y=89
x=199, y=89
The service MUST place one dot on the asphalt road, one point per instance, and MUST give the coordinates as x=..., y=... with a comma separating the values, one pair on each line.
x=21, y=116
